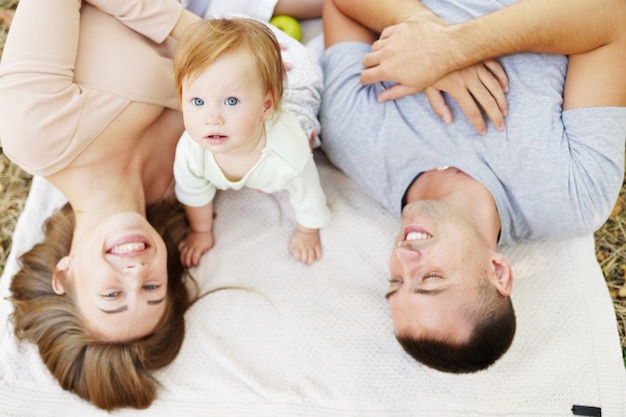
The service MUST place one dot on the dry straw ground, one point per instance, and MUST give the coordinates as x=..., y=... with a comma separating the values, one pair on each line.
x=610, y=239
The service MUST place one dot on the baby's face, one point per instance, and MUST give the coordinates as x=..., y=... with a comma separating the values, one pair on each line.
x=225, y=106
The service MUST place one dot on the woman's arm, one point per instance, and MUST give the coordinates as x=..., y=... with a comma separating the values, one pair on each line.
x=300, y=9
x=155, y=19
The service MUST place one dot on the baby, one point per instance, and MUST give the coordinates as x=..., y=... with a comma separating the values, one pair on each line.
x=229, y=77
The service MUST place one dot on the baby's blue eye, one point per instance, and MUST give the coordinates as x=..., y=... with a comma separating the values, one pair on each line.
x=197, y=101
x=231, y=101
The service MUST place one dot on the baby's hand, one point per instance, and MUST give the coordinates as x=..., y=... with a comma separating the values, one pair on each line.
x=194, y=246
x=305, y=245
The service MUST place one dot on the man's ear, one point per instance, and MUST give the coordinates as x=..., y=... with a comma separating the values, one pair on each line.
x=60, y=270
x=503, y=274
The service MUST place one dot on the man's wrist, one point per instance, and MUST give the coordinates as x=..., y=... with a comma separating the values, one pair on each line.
x=467, y=44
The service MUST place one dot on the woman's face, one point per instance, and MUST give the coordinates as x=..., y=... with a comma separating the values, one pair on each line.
x=118, y=272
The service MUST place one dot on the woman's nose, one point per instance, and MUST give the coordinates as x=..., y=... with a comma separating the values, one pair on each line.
x=136, y=271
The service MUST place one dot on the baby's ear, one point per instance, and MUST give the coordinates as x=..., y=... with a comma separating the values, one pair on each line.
x=60, y=270
x=268, y=106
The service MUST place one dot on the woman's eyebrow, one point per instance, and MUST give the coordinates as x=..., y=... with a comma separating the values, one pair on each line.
x=115, y=310
x=125, y=307
x=155, y=302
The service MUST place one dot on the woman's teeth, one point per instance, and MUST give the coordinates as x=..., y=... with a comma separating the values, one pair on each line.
x=127, y=248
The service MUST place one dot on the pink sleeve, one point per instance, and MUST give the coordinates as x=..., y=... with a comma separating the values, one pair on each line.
x=154, y=19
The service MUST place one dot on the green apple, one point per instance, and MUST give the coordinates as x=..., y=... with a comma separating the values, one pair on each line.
x=289, y=25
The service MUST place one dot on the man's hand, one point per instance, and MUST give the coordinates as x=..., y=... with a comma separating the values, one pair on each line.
x=481, y=86
x=413, y=55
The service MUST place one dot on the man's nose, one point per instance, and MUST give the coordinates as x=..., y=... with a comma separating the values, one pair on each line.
x=408, y=255
x=409, y=261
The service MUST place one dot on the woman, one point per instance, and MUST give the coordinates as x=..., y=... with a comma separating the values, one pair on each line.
x=87, y=101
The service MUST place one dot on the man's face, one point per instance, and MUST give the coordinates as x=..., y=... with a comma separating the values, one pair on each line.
x=436, y=267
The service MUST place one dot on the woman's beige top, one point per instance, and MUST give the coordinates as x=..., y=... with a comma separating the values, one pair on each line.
x=68, y=71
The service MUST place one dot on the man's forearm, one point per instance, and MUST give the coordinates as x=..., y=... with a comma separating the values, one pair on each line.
x=415, y=51
x=379, y=14
x=555, y=26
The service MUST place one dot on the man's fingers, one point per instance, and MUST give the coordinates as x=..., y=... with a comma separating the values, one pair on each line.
x=387, y=32
x=372, y=59
x=470, y=108
x=371, y=75
x=438, y=104
x=491, y=108
x=496, y=80
x=489, y=93
x=498, y=71
x=493, y=101
x=395, y=92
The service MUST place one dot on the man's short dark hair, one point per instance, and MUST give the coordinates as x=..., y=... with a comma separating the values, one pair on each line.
x=491, y=338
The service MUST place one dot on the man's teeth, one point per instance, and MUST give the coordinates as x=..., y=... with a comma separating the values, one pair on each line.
x=128, y=248
x=418, y=236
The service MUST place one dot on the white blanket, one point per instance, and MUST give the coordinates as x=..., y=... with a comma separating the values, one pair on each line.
x=318, y=340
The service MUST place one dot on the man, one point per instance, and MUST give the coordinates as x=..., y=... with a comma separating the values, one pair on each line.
x=549, y=167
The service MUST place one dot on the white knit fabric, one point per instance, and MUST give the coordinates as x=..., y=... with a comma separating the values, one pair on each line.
x=318, y=340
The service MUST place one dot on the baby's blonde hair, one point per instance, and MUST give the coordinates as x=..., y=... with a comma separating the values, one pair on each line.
x=207, y=40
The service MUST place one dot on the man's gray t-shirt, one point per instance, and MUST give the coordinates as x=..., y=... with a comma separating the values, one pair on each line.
x=553, y=174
